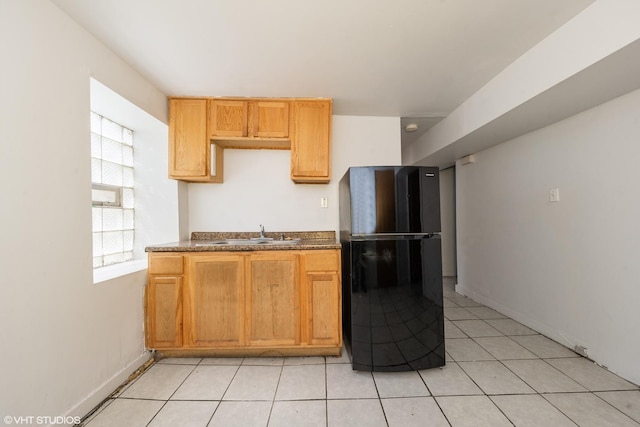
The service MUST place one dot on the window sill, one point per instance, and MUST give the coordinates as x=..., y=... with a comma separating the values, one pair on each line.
x=118, y=270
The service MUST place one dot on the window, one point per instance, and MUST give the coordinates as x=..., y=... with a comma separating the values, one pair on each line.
x=112, y=192
x=156, y=196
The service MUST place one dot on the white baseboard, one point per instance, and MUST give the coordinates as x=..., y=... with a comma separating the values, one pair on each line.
x=468, y=292
x=538, y=326
x=102, y=392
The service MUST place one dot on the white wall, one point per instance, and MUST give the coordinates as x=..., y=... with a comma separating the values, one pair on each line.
x=257, y=188
x=448, y=220
x=569, y=269
x=67, y=343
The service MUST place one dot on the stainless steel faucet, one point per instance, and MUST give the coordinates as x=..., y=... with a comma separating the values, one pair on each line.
x=262, y=231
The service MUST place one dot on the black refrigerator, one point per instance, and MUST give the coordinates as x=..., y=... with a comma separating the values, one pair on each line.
x=393, y=316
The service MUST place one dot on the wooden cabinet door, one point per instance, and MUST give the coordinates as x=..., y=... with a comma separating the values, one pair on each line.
x=323, y=308
x=322, y=298
x=189, y=146
x=228, y=118
x=273, y=300
x=311, y=141
x=164, y=312
x=269, y=119
x=215, y=301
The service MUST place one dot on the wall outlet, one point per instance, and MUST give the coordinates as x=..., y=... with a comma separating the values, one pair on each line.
x=582, y=351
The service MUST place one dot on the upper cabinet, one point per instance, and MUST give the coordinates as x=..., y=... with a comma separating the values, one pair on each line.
x=189, y=145
x=188, y=141
x=228, y=118
x=301, y=125
x=269, y=119
x=245, y=123
x=311, y=141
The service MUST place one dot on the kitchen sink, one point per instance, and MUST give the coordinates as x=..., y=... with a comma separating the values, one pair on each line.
x=253, y=241
x=240, y=242
x=211, y=243
x=261, y=239
x=284, y=242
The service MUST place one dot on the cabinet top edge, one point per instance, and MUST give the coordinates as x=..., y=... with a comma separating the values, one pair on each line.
x=251, y=98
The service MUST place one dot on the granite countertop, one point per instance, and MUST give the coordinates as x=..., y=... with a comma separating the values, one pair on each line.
x=287, y=240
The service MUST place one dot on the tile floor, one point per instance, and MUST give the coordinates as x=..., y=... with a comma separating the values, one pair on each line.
x=498, y=373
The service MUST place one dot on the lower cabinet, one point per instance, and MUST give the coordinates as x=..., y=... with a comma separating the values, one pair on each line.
x=323, y=299
x=164, y=312
x=322, y=292
x=163, y=302
x=273, y=300
x=214, y=301
x=258, y=301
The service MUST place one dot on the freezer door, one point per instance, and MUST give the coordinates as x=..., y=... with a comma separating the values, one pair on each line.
x=392, y=200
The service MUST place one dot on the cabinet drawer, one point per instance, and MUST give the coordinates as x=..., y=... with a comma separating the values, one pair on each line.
x=165, y=264
x=322, y=261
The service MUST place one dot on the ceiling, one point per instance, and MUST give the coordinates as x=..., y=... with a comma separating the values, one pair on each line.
x=414, y=59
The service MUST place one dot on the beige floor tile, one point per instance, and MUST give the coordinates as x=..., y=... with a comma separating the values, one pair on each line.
x=448, y=292
x=587, y=410
x=206, y=383
x=241, y=414
x=448, y=303
x=543, y=347
x=449, y=282
x=263, y=361
x=466, y=350
x=477, y=328
x=184, y=414
x=543, y=377
x=590, y=375
x=307, y=413
x=343, y=358
x=510, y=327
x=504, y=348
x=449, y=380
x=127, y=412
x=307, y=360
x=452, y=331
x=254, y=383
x=485, y=313
x=458, y=313
x=345, y=383
x=400, y=384
x=493, y=378
x=463, y=301
x=531, y=411
x=627, y=402
x=355, y=412
x=302, y=382
x=448, y=289
x=227, y=361
x=472, y=411
x=413, y=412
x=159, y=382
